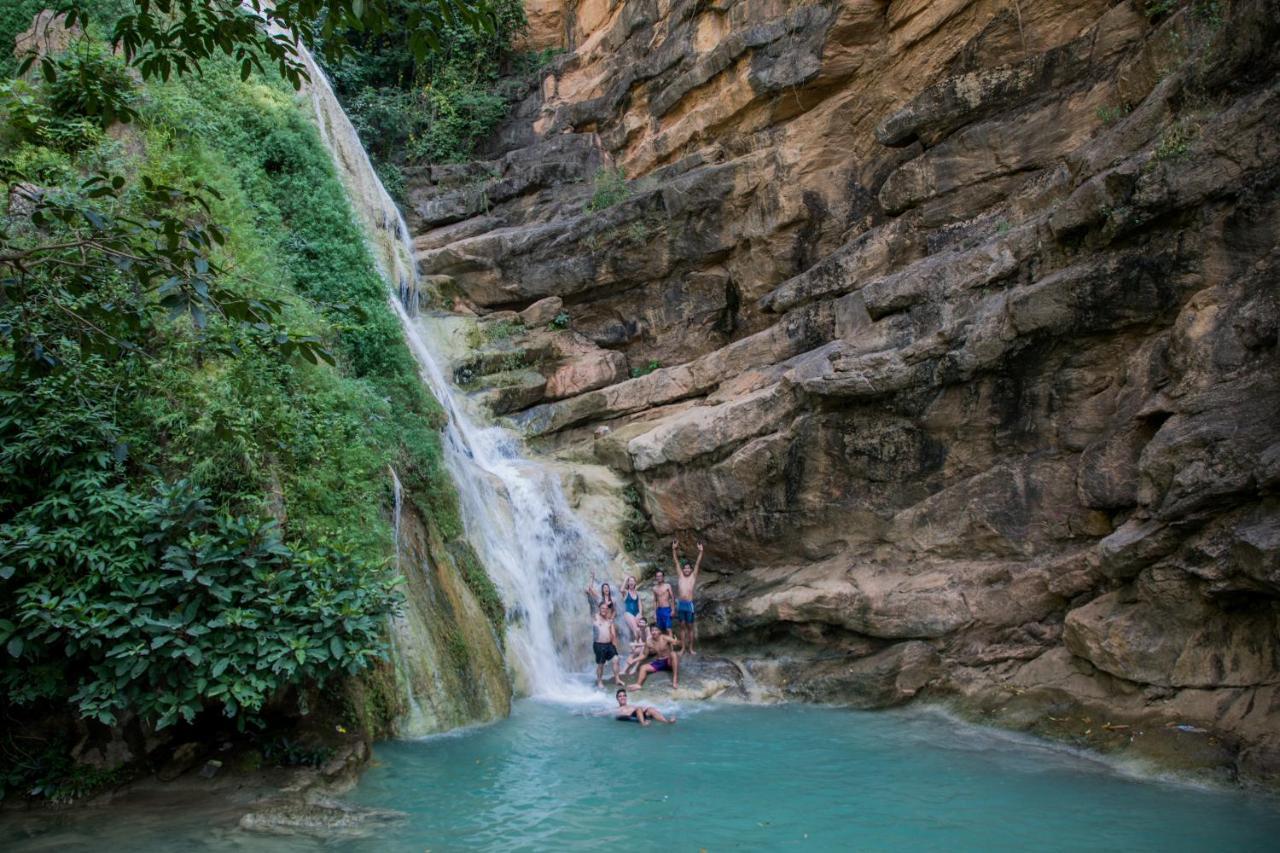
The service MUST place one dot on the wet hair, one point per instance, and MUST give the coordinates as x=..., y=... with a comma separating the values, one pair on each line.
x=629, y=582
x=621, y=690
x=606, y=590
x=688, y=565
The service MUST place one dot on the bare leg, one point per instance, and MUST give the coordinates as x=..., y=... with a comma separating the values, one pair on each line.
x=632, y=628
x=675, y=669
x=693, y=631
x=640, y=715
x=645, y=672
x=600, y=675
x=617, y=678
x=657, y=715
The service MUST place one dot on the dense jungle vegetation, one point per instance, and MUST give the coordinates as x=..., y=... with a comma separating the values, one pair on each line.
x=412, y=108
x=202, y=386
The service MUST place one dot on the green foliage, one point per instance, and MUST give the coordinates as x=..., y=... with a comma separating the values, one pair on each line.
x=160, y=605
x=283, y=751
x=50, y=773
x=428, y=107
x=194, y=341
x=610, y=188
x=175, y=37
x=1109, y=115
x=636, y=529
x=1160, y=8
x=637, y=372
x=91, y=82
x=1176, y=141
x=561, y=321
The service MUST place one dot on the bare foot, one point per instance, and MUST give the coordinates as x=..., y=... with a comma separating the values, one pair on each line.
x=633, y=687
x=671, y=719
x=675, y=685
x=599, y=685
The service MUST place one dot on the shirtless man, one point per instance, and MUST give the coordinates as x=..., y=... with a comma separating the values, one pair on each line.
x=638, y=648
x=637, y=713
x=604, y=642
x=662, y=596
x=665, y=658
x=686, y=580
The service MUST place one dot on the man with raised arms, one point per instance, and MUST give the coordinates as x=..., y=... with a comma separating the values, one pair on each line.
x=686, y=580
x=604, y=643
x=641, y=714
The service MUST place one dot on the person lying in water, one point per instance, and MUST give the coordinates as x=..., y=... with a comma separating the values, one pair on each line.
x=665, y=659
x=604, y=642
x=638, y=653
x=641, y=714
x=686, y=581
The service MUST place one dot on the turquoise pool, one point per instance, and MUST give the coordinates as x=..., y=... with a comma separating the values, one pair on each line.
x=740, y=778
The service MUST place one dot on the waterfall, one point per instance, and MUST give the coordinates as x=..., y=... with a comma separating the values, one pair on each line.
x=516, y=517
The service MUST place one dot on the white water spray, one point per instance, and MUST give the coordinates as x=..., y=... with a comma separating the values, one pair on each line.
x=513, y=508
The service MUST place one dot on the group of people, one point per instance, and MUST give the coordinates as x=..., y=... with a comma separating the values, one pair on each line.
x=654, y=648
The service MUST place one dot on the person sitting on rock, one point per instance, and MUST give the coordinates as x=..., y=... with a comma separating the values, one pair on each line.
x=641, y=714
x=604, y=642
x=638, y=647
x=665, y=659
x=662, y=596
x=686, y=580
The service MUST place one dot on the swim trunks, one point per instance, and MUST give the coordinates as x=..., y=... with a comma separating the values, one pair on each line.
x=660, y=664
x=628, y=718
x=604, y=652
x=663, y=617
x=684, y=612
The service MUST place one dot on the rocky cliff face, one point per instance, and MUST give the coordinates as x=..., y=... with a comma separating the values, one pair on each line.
x=950, y=326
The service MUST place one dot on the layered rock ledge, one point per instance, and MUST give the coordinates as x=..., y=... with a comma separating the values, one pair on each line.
x=950, y=326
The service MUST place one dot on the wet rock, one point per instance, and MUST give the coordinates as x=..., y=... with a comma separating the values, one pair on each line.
x=322, y=818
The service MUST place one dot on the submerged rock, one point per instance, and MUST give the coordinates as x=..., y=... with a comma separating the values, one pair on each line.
x=321, y=818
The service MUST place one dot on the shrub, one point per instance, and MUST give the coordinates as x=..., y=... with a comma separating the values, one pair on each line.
x=610, y=188
x=637, y=372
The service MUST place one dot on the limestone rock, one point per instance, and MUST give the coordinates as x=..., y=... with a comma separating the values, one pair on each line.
x=963, y=330
x=542, y=312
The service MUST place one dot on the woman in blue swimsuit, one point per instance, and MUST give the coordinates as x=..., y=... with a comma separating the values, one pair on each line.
x=632, y=608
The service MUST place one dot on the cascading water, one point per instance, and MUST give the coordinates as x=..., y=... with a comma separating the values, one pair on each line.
x=513, y=508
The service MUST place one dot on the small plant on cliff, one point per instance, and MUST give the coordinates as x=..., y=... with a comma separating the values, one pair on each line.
x=611, y=188
x=1176, y=141
x=637, y=372
x=1109, y=115
x=561, y=321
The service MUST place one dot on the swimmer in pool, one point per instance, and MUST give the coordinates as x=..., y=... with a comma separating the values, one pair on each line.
x=637, y=713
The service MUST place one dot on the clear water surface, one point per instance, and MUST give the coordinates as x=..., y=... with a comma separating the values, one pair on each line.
x=740, y=778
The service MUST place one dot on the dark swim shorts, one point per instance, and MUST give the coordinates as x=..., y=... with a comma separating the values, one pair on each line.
x=662, y=616
x=660, y=664
x=684, y=612
x=605, y=652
